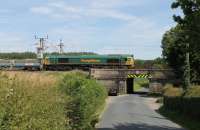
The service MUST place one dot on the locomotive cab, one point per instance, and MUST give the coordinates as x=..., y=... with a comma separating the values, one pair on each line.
x=130, y=62
x=45, y=61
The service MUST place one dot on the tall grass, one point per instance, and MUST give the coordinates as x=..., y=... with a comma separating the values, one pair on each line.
x=31, y=101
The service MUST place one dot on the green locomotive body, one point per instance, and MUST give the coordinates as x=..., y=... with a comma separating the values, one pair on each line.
x=64, y=62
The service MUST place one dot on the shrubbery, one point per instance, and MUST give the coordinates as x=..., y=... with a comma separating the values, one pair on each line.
x=45, y=101
x=87, y=99
x=187, y=102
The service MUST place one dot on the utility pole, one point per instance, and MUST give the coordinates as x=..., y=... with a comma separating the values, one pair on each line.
x=61, y=47
x=187, y=65
x=187, y=68
x=41, y=47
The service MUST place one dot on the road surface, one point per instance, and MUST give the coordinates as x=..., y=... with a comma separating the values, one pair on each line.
x=144, y=90
x=132, y=112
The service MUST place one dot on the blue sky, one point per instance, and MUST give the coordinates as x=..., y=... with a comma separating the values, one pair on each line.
x=101, y=26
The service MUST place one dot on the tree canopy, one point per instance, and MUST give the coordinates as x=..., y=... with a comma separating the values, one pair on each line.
x=175, y=40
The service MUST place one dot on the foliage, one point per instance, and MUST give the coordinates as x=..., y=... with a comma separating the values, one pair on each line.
x=175, y=40
x=140, y=83
x=87, y=98
x=157, y=63
x=193, y=92
x=174, y=50
x=18, y=55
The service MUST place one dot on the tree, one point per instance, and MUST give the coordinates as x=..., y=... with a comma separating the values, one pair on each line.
x=187, y=31
x=173, y=50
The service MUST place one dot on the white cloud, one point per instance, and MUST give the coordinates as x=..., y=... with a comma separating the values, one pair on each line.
x=118, y=3
x=115, y=50
x=63, y=6
x=41, y=10
x=13, y=43
x=108, y=13
x=94, y=9
x=108, y=4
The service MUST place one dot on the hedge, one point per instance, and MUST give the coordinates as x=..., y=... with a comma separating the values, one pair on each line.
x=87, y=98
x=188, y=103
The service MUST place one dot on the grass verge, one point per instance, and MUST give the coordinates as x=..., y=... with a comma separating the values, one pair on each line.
x=31, y=101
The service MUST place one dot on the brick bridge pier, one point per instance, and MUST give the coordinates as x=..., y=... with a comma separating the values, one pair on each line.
x=120, y=81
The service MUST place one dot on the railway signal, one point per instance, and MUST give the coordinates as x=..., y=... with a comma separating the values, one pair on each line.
x=41, y=46
x=61, y=47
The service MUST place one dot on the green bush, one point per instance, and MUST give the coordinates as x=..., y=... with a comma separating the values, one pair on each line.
x=87, y=99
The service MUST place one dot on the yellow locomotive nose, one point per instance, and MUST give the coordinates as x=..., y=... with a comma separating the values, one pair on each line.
x=45, y=61
x=130, y=62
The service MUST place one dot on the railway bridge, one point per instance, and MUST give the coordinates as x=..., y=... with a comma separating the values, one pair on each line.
x=121, y=80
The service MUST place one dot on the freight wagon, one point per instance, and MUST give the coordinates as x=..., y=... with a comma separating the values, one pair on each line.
x=26, y=64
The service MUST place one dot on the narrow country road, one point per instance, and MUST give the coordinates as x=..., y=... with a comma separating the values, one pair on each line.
x=132, y=112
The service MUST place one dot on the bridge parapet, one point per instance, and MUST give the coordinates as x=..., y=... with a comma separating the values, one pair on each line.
x=117, y=77
x=123, y=73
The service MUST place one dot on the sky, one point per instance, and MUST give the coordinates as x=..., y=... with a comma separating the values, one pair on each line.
x=101, y=26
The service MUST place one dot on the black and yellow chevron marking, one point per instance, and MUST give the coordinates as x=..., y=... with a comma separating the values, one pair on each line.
x=139, y=76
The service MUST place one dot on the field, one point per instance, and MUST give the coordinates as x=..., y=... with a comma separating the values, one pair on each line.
x=140, y=83
x=41, y=100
